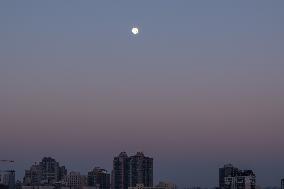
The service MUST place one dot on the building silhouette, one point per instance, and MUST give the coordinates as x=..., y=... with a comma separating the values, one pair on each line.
x=120, y=171
x=141, y=186
x=74, y=180
x=47, y=172
x=282, y=183
x=99, y=178
x=231, y=177
x=7, y=179
x=140, y=170
x=166, y=185
x=133, y=170
x=227, y=170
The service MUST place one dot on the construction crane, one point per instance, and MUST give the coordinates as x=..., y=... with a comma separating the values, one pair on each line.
x=7, y=161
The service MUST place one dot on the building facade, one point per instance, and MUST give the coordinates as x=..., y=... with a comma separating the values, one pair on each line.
x=74, y=180
x=231, y=177
x=166, y=185
x=33, y=176
x=120, y=171
x=141, y=186
x=99, y=178
x=133, y=170
x=7, y=179
x=52, y=172
x=140, y=170
x=47, y=172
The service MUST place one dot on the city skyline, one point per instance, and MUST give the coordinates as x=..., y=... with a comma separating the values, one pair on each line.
x=230, y=177
x=199, y=86
x=128, y=172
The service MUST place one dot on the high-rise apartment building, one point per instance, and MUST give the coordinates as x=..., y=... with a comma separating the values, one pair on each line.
x=33, y=176
x=133, y=170
x=52, y=172
x=47, y=172
x=140, y=170
x=226, y=171
x=231, y=177
x=7, y=179
x=120, y=171
x=99, y=178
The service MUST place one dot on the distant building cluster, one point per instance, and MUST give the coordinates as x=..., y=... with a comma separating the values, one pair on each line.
x=164, y=186
x=47, y=172
x=231, y=177
x=128, y=172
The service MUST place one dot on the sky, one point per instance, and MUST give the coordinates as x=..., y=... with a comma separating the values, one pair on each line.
x=202, y=85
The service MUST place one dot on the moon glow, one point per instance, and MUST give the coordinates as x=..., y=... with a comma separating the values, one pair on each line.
x=135, y=31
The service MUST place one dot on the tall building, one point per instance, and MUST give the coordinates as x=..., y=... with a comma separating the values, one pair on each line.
x=133, y=170
x=231, y=177
x=7, y=179
x=120, y=171
x=140, y=170
x=33, y=176
x=282, y=183
x=226, y=171
x=52, y=172
x=47, y=172
x=99, y=178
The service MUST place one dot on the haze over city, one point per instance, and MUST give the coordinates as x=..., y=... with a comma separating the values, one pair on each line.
x=201, y=85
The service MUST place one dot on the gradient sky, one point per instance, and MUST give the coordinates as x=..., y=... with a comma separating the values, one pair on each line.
x=201, y=85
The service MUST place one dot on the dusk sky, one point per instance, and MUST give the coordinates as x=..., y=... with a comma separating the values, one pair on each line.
x=200, y=86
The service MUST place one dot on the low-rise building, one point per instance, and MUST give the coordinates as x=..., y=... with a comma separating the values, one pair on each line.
x=38, y=187
x=75, y=180
x=167, y=185
x=141, y=186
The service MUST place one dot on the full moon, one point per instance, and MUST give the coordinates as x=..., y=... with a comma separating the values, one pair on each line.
x=135, y=31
